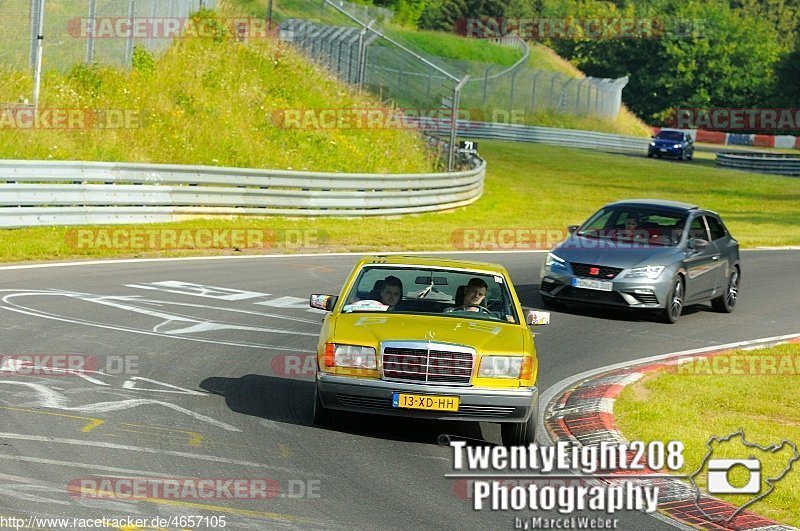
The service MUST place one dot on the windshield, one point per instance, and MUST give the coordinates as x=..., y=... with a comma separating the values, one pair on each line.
x=431, y=291
x=651, y=226
x=670, y=135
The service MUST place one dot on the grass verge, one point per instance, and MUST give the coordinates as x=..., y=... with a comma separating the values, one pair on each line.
x=753, y=390
x=528, y=186
x=209, y=101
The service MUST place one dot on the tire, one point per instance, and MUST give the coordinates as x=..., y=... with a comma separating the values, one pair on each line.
x=649, y=155
x=691, y=155
x=683, y=154
x=323, y=416
x=726, y=302
x=675, y=298
x=550, y=302
x=519, y=433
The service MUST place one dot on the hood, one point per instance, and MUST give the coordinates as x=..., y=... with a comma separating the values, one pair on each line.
x=611, y=253
x=371, y=328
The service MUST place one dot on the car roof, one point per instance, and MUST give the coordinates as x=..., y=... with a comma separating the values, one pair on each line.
x=671, y=131
x=662, y=203
x=430, y=261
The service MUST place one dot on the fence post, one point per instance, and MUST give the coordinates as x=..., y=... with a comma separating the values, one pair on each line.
x=34, y=18
x=533, y=90
x=511, y=95
x=90, y=34
x=129, y=44
x=363, y=44
x=486, y=83
x=454, y=123
x=37, y=75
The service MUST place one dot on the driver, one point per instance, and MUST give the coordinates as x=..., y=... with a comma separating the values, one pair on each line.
x=474, y=294
x=392, y=291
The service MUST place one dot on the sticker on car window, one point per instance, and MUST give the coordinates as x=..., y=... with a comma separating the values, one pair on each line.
x=365, y=306
x=498, y=279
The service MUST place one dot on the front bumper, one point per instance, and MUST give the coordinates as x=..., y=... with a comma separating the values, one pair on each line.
x=635, y=293
x=476, y=404
x=665, y=151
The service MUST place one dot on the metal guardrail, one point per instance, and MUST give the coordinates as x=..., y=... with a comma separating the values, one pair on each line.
x=544, y=135
x=84, y=193
x=774, y=163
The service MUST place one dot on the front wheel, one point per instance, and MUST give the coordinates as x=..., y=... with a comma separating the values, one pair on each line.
x=674, y=306
x=519, y=433
x=727, y=301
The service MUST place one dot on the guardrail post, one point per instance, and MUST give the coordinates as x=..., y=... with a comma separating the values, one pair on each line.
x=90, y=34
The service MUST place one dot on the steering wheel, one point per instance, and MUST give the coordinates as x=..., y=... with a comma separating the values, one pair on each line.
x=478, y=306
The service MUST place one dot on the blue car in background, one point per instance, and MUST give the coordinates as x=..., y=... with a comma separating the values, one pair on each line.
x=671, y=143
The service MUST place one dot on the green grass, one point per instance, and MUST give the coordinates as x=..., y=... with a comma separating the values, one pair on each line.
x=458, y=48
x=528, y=186
x=213, y=103
x=694, y=405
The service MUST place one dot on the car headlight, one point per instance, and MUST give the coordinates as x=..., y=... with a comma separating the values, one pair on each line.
x=677, y=146
x=651, y=272
x=500, y=366
x=652, y=143
x=350, y=356
x=552, y=262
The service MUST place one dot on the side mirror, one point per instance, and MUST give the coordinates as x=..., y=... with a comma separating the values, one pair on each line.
x=572, y=229
x=698, y=244
x=537, y=317
x=323, y=302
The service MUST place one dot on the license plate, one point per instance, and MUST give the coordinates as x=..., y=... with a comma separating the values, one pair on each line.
x=664, y=150
x=589, y=283
x=434, y=403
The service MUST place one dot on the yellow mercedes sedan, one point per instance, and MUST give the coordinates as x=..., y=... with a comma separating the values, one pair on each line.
x=429, y=338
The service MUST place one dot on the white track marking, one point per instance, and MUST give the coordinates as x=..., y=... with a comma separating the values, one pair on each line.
x=36, y=313
x=290, y=256
x=199, y=290
x=54, y=400
x=131, y=384
x=157, y=451
x=73, y=464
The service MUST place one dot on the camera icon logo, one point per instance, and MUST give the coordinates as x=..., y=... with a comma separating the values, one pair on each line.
x=719, y=472
x=749, y=476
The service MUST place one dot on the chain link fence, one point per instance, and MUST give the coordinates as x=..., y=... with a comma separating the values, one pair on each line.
x=74, y=32
x=361, y=47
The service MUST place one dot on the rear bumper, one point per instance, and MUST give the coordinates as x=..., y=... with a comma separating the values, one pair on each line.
x=475, y=404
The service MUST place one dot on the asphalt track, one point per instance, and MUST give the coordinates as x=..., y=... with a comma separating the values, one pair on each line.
x=206, y=392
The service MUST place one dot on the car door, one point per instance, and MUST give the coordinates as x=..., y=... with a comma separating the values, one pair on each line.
x=720, y=239
x=702, y=265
